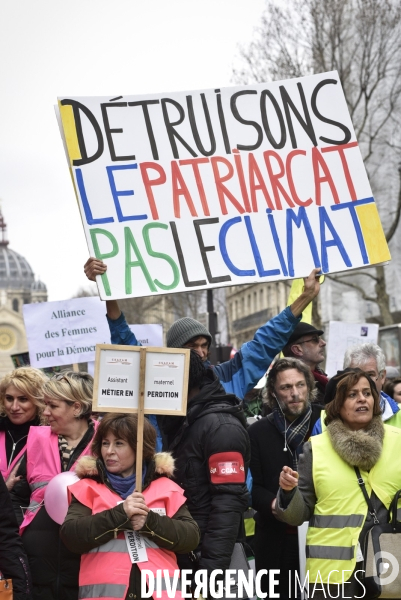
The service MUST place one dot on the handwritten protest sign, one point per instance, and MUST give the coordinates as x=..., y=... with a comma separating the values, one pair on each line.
x=189, y=190
x=65, y=332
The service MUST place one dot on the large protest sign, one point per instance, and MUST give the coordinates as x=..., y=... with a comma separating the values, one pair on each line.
x=189, y=190
x=65, y=332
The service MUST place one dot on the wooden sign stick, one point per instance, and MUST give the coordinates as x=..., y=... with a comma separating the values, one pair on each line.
x=141, y=417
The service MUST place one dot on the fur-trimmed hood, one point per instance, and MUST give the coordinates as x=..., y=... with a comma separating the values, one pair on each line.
x=88, y=466
x=360, y=448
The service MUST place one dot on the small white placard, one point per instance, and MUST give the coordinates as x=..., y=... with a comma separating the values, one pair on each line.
x=65, y=332
x=117, y=379
x=136, y=547
x=148, y=335
x=164, y=380
x=344, y=335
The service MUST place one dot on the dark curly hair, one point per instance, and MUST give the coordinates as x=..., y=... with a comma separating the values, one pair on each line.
x=284, y=364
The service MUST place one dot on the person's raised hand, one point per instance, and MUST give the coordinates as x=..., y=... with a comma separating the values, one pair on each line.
x=93, y=267
x=136, y=510
x=288, y=479
x=312, y=283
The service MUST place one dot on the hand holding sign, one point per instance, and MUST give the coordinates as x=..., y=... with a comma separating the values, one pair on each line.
x=136, y=510
x=94, y=267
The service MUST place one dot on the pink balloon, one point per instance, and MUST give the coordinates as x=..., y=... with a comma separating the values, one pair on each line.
x=56, y=498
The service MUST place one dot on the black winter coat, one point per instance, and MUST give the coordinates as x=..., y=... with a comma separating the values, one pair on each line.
x=13, y=560
x=214, y=425
x=267, y=461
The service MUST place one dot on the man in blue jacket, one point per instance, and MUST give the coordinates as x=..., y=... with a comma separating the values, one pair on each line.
x=240, y=374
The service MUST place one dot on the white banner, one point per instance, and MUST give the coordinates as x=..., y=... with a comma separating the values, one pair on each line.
x=209, y=188
x=343, y=335
x=65, y=332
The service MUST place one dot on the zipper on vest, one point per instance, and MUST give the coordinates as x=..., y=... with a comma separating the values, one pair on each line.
x=114, y=531
x=153, y=534
x=14, y=446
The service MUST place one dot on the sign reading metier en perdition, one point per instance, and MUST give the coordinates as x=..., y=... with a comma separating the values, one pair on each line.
x=201, y=189
x=118, y=382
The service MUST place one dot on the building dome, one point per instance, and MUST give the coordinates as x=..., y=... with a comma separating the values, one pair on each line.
x=15, y=271
x=38, y=286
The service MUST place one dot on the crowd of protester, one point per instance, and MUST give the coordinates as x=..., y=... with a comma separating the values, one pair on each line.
x=203, y=472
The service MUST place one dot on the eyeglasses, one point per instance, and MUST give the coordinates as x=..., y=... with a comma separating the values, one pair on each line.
x=375, y=377
x=315, y=340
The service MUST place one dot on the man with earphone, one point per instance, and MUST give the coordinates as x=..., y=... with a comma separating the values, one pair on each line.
x=276, y=441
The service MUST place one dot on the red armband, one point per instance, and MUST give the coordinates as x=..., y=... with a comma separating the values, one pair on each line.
x=227, y=467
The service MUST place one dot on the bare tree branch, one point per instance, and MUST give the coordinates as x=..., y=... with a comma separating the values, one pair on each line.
x=361, y=39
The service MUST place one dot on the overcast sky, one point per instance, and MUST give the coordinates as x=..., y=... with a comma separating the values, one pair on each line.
x=51, y=48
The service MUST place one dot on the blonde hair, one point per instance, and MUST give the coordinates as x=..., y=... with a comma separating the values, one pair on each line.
x=27, y=380
x=72, y=386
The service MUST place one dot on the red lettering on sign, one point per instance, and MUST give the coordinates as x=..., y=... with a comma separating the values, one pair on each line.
x=227, y=467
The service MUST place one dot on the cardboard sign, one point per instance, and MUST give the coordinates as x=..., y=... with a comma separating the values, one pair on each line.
x=202, y=189
x=118, y=385
x=65, y=332
x=342, y=336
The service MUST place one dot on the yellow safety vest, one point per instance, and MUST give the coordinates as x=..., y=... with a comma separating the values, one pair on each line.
x=394, y=421
x=341, y=509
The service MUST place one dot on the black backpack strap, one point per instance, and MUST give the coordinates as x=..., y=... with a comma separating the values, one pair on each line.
x=361, y=482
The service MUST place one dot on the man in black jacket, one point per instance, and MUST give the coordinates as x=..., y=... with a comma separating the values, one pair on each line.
x=212, y=453
x=277, y=441
x=13, y=560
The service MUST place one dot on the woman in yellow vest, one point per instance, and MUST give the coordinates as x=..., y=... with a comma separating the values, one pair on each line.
x=119, y=531
x=326, y=492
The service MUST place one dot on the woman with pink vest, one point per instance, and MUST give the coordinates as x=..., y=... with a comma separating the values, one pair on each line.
x=21, y=404
x=105, y=511
x=51, y=450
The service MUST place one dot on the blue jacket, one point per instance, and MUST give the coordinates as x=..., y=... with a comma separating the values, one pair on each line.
x=245, y=369
x=389, y=408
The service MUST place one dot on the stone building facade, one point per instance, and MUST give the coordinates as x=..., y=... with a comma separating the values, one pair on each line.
x=250, y=306
x=17, y=287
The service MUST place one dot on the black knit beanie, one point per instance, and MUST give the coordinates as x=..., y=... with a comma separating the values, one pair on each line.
x=331, y=387
x=184, y=330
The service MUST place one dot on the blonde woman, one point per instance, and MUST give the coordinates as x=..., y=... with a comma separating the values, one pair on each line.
x=21, y=404
x=51, y=450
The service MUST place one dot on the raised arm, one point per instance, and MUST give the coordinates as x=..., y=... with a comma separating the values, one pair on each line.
x=119, y=330
x=244, y=370
x=92, y=268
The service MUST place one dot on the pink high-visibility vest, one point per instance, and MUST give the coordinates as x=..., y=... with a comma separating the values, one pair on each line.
x=4, y=469
x=42, y=464
x=105, y=570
